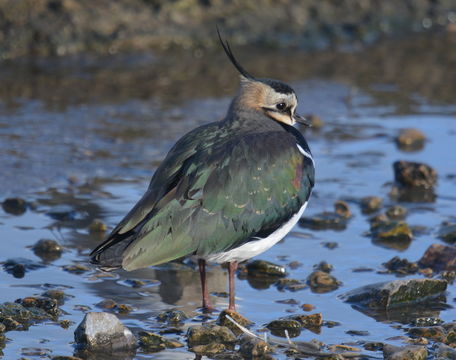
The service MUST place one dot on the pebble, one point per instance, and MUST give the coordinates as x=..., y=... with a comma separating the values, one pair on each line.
x=341, y=208
x=47, y=249
x=97, y=226
x=396, y=212
x=241, y=320
x=371, y=204
x=336, y=220
x=309, y=321
x=14, y=206
x=410, y=139
x=262, y=268
x=401, y=266
x=392, y=234
x=278, y=327
x=307, y=307
x=173, y=317
x=447, y=232
x=412, y=352
x=413, y=174
x=76, y=269
x=439, y=257
x=151, y=342
x=208, y=334
x=103, y=331
x=322, y=282
x=254, y=348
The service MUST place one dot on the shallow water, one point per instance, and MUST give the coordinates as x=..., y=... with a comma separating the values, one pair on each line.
x=88, y=133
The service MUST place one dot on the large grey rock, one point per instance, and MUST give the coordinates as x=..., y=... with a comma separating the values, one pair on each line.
x=103, y=332
x=387, y=295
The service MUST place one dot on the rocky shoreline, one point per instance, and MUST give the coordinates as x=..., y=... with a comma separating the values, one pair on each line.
x=68, y=27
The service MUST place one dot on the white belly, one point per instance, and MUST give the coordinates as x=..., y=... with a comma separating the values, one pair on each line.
x=257, y=246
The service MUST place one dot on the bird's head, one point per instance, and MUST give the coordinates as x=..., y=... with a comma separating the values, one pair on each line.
x=274, y=98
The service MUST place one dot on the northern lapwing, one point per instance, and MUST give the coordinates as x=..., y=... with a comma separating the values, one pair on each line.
x=226, y=191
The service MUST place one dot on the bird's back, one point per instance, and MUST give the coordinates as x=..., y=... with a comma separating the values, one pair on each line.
x=220, y=186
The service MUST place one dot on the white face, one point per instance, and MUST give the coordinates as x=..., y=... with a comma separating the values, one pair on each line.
x=280, y=107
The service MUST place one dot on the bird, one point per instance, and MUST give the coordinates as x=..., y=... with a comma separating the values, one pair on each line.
x=225, y=192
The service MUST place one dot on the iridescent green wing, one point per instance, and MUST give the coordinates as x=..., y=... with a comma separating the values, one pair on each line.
x=225, y=195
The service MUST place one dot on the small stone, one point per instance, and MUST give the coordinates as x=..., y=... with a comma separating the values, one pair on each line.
x=412, y=352
x=279, y=326
x=76, y=269
x=331, y=245
x=58, y=357
x=241, y=320
x=322, y=282
x=288, y=302
x=410, y=140
x=151, y=342
x=396, y=212
x=49, y=305
x=47, y=249
x=307, y=307
x=103, y=332
x=124, y=308
x=357, y=332
x=209, y=349
x=395, y=293
x=342, y=208
x=55, y=294
x=343, y=348
x=210, y=333
x=14, y=206
x=106, y=304
x=401, y=266
x=447, y=232
x=324, y=266
x=370, y=204
x=392, y=234
x=309, y=321
x=413, y=174
x=323, y=221
x=97, y=226
x=261, y=268
x=253, y=348
x=294, y=265
x=439, y=257
x=65, y=324
x=173, y=317
x=436, y=333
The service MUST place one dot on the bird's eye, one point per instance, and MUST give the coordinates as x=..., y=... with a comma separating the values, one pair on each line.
x=281, y=106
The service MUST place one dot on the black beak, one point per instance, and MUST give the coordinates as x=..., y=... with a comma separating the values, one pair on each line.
x=302, y=120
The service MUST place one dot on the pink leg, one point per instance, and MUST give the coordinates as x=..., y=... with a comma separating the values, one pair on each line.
x=202, y=268
x=232, y=266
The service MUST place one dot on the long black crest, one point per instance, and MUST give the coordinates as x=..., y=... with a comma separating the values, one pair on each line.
x=229, y=53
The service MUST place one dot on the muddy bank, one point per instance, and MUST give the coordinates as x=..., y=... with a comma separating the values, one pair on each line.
x=63, y=27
